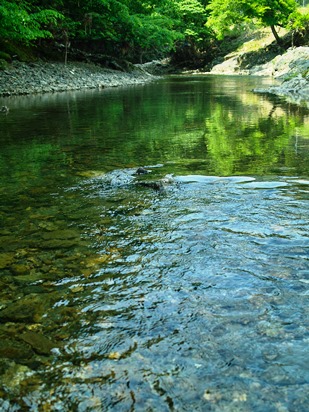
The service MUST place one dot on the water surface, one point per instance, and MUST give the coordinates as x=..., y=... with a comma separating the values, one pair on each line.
x=122, y=296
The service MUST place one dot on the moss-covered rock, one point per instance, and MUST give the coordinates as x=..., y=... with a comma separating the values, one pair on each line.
x=3, y=64
x=12, y=349
x=39, y=343
x=27, y=309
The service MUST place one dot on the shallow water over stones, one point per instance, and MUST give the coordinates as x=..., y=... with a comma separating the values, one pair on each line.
x=118, y=296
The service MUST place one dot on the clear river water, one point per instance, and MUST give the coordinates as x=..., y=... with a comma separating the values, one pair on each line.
x=184, y=287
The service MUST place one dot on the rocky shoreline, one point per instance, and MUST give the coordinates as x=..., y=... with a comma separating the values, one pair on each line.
x=41, y=77
x=290, y=68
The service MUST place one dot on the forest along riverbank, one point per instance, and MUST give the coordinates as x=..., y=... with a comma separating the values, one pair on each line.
x=44, y=77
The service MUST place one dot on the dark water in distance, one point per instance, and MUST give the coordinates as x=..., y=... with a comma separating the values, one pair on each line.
x=117, y=296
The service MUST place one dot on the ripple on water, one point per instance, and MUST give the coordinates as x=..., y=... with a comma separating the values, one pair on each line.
x=196, y=299
x=213, y=179
x=266, y=185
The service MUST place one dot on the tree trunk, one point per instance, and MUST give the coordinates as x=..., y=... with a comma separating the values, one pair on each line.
x=67, y=45
x=278, y=40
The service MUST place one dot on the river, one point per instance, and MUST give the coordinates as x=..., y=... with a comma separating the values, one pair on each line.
x=140, y=292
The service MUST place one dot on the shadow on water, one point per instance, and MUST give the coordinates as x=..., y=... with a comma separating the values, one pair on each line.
x=119, y=293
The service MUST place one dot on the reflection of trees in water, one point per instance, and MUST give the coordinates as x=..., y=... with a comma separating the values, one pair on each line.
x=212, y=121
x=256, y=147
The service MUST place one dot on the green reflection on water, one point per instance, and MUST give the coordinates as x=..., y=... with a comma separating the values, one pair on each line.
x=214, y=125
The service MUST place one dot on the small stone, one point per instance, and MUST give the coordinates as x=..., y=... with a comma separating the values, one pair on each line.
x=76, y=289
x=20, y=269
x=212, y=396
x=239, y=397
x=114, y=355
x=141, y=171
x=96, y=261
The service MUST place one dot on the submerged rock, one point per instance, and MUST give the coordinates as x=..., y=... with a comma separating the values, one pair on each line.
x=6, y=259
x=39, y=343
x=60, y=234
x=156, y=185
x=20, y=269
x=160, y=184
x=12, y=349
x=141, y=171
x=14, y=375
x=121, y=177
x=124, y=177
x=27, y=309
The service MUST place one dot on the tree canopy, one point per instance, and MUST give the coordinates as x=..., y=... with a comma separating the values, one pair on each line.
x=226, y=14
x=138, y=30
x=24, y=22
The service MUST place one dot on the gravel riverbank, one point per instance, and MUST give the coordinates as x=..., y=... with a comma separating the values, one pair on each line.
x=40, y=77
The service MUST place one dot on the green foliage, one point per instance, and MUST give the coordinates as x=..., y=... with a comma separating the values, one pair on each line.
x=19, y=23
x=225, y=14
x=5, y=56
x=274, y=12
x=139, y=30
x=299, y=21
x=193, y=18
x=153, y=32
x=3, y=64
x=129, y=28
